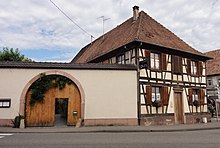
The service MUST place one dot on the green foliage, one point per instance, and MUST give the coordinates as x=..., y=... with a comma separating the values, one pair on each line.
x=17, y=120
x=156, y=103
x=195, y=102
x=12, y=55
x=44, y=83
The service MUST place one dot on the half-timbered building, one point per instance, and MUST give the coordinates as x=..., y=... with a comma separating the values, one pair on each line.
x=171, y=74
x=213, y=81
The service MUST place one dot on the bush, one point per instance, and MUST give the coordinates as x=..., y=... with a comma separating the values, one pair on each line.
x=16, y=122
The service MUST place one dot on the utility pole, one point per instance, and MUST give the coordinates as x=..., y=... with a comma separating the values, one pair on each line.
x=216, y=102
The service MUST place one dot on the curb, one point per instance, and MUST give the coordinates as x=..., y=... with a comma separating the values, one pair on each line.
x=112, y=131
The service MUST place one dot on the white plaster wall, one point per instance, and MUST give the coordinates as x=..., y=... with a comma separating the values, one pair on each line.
x=108, y=93
x=171, y=102
x=185, y=103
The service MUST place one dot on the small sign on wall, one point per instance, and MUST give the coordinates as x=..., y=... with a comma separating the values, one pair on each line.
x=5, y=103
x=75, y=113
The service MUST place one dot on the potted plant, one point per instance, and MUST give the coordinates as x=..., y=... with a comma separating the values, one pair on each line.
x=156, y=103
x=196, y=103
x=17, y=121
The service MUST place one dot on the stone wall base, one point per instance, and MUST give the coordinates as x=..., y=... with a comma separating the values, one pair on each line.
x=157, y=120
x=6, y=122
x=197, y=118
x=169, y=119
x=111, y=122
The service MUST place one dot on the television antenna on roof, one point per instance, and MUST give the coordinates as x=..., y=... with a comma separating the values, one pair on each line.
x=103, y=23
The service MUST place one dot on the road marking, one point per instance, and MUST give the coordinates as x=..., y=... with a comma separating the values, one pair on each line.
x=6, y=134
x=3, y=135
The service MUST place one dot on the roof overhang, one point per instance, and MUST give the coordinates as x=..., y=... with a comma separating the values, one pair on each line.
x=154, y=47
x=51, y=65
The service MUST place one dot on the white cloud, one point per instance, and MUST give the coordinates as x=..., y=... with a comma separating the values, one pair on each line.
x=38, y=24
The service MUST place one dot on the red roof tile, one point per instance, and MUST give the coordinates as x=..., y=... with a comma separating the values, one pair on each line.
x=213, y=66
x=144, y=29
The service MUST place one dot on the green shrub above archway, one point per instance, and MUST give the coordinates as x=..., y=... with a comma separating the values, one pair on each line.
x=44, y=83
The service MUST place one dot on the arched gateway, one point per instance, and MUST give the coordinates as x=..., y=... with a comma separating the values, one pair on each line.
x=70, y=98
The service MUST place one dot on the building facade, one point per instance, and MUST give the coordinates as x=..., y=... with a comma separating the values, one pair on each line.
x=92, y=96
x=213, y=80
x=171, y=74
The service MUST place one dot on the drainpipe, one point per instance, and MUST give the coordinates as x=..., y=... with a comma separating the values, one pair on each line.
x=138, y=82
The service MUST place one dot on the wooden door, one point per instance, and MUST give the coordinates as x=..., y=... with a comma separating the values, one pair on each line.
x=43, y=113
x=178, y=104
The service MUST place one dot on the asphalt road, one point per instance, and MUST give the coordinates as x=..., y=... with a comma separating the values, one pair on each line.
x=192, y=139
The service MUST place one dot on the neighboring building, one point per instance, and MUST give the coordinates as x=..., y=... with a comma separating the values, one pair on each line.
x=92, y=95
x=213, y=77
x=171, y=74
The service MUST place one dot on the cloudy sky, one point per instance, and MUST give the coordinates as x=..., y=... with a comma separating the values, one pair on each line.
x=43, y=33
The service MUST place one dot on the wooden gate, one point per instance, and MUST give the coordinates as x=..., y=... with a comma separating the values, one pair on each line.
x=178, y=104
x=43, y=113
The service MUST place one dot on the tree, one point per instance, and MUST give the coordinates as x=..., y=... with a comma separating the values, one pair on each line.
x=12, y=55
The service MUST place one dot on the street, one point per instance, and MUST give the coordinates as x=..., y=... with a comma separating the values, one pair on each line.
x=190, y=139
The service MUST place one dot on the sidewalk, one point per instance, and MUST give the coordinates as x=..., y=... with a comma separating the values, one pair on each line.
x=114, y=129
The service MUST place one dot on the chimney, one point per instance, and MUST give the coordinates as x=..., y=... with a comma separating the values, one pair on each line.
x=135, y=13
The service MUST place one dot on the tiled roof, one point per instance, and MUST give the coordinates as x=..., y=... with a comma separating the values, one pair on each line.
x=213, y=66
x=52, y=65
x=144, y=29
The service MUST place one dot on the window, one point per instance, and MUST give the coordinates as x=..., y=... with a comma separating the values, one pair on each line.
x=121, y=59
x=5, y=103
x=193, y=68
x=154, y=61
x=209, y=82
x=155, y=94
x=177, y=64
x=195, y=95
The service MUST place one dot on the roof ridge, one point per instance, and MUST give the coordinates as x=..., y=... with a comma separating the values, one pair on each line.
x=139, y=24
x=78, y=55
x=162, y=26
x=145, y=29
x=212, y=51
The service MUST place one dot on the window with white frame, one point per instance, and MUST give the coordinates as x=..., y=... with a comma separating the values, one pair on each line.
x=121, y=59
x=5, y=103
x=193, y=67
x=195, y=95
x=155, y=61
x=155, y=94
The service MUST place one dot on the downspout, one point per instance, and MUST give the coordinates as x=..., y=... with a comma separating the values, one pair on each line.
x=138, y=82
